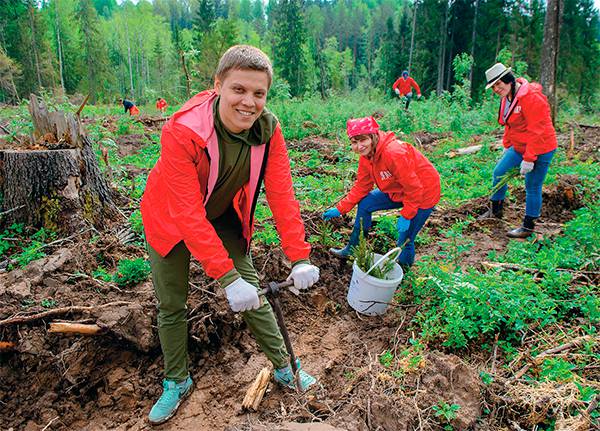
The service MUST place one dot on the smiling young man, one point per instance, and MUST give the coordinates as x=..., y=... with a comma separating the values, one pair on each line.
x=217, y=151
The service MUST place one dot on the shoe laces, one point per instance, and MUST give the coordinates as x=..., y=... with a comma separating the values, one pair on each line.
x=170, y=393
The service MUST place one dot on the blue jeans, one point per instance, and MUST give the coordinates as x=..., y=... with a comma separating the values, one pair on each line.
x=377, y=200
x=533, y=180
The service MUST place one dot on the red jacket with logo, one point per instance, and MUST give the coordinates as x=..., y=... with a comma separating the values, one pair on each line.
x=404, y=86
x=185, y=175
x=528, y=125
x=399, y=170
x=161, y=104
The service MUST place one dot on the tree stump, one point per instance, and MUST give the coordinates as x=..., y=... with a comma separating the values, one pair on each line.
x=54, y=181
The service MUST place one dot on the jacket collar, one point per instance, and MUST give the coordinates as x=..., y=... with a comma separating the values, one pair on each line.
x=522, y=91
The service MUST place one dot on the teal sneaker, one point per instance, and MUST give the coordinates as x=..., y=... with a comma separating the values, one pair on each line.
x=285, y=377
x=168, y=403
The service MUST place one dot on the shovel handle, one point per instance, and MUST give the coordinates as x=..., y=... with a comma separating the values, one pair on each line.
x=274, y=287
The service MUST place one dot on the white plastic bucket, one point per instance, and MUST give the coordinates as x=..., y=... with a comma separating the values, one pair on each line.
x=370, y=295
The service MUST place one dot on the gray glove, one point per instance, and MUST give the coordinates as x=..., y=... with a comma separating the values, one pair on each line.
x=242, y=296
x=526, y=167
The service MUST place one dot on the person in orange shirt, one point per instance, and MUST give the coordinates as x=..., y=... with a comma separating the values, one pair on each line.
x=161, y=105
x=403, y=88
x=129, y=107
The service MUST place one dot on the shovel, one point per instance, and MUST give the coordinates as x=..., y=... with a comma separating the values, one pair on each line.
x=272, y=294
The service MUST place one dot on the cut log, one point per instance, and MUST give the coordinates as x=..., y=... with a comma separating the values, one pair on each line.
x=55, y=182
x=74, y=328
x=7, y=345
x=256, y=392
x=463, y=151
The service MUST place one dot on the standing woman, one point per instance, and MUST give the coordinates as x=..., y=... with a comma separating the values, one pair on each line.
x=529, y=141
x=403, y=177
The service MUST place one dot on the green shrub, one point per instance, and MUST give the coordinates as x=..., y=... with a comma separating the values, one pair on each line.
x=131, y=272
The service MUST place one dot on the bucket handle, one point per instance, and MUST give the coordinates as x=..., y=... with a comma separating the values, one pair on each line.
x=382, y=258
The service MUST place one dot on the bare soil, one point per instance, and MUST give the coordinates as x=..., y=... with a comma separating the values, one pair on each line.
x=109, y=381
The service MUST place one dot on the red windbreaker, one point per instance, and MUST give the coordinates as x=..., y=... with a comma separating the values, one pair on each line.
x=399, y=170
x=528, y=125
x=161, y=104
x=184, y=177
x=404, y=86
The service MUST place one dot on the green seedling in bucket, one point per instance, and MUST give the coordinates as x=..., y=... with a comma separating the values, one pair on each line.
x=373, y=285
x=364, y=257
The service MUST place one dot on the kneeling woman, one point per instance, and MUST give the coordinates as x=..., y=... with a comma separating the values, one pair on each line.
x=404, y=179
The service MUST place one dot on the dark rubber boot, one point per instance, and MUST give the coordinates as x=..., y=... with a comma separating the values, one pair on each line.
x=496, y=210
x=343, y=253
x=524, y=231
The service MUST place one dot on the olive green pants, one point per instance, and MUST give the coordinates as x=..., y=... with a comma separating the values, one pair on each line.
x=170, y=276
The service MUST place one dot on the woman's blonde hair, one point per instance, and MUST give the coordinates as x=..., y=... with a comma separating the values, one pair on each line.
x=244, y=57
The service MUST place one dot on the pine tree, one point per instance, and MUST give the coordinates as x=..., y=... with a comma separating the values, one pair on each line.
x=288, y=39
x=204, y=20
x=94, y=53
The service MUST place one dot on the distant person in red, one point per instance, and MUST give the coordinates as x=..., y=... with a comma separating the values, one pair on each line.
x=403, y=88
x=161, y=105
x=130, y=107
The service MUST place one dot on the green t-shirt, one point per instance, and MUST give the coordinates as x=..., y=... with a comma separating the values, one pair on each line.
x=234, y=158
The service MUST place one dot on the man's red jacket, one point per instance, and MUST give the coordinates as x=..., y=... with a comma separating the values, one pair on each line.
x=185, y=175
x=404, y=86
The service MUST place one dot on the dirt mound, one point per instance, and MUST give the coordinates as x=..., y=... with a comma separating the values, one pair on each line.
x=112, y=379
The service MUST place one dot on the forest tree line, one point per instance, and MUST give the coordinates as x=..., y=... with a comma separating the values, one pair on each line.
x=170, y=48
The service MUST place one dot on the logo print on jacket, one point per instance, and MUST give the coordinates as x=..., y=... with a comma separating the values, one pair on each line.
x=385, y=175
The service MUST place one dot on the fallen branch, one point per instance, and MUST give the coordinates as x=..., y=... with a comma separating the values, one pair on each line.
x=74, y=328
x=58, y=241
x=255, y=393
x=592, y=406
x=571, y=149
x=538, y=359
x=11, y=210
x=18, y=319
x=517, y=267
x=8, y=132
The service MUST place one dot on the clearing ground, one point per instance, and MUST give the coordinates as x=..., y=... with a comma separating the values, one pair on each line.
x=109, y=381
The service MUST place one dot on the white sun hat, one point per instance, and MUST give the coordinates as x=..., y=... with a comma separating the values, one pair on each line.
x=494, y=73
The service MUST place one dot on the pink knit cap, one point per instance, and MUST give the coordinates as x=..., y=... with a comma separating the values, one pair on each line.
x=361, y=126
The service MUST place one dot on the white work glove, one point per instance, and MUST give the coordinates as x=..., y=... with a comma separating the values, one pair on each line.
x=397, y=91
x=304, y=275
x=526, y=167
x=242, y=296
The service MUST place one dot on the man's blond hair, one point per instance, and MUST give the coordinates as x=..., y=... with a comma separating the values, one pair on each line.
x=244, y=57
